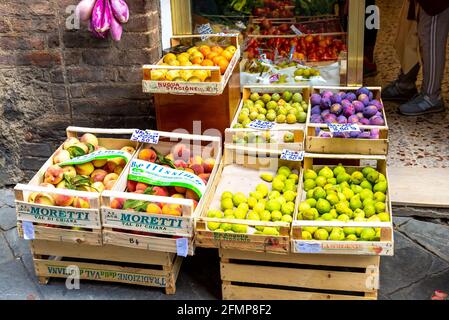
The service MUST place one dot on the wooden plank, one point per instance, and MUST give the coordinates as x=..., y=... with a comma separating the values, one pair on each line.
x=106, y=252
x=308, y=259
x=234, y=292
x=304, y=278
x=93, y=238
x=152, y=243
x=103, y=272
x=419, y=187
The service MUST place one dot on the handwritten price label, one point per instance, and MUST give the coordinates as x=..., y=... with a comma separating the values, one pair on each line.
x=308, y=247
x=261, y=125
x=145, y=136
x=296, y=30
x=182, y=247
x=292, y=155
x=346, y=127
x=204, y=30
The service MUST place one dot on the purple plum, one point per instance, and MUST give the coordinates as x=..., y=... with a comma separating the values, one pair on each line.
x=374, y=134
x=342, y=119
x=351, y=96
x=376, y=121
x=345, y=102
x=342, y=95
x=340, y=135
x=348, y=111
x=353, y=119
x=358, y=106
x=364, y=135
x=359, y=115
x=330, y=118
x=324, y=134
x=336, y=108
x=325, y=103
x=327, y=94
x=316, y=118
x=369, y=111
x=364, y=99
x=379, y=114
x=377, y=103
x=370, y=95
x=354, y=134
x=315, y=99
x=335, y=98
x=316, y=110
x=364, y=121
x=324, y=112
x=362, y=90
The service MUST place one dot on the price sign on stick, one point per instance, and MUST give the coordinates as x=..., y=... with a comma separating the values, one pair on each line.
x=296, y=30
x=147, y=136
x=292, y=155
x=261, y=125
x=182, y=247
x=346, y=127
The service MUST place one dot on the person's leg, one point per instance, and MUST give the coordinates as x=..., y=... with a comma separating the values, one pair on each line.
x=404, y=87
x=433, y=32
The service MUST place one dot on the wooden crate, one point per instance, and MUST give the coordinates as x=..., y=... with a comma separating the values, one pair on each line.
x=383, y=247
x=106, y=263
x=316, y=144
x=298, y=129
x=264, y=276
x=239, y=173
x=214, y=86
x=66, y=224
x=120, y=231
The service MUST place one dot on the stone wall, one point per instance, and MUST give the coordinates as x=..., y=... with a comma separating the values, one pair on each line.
x=52, y=77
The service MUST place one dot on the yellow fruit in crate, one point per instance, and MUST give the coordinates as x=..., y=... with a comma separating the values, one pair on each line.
x=172, y=75
x=183, y=54
x=186, y=74
x=158, y=74
x=196, y=57
x=231, y=49
x=186, y=64
x=183, y=58
x=194, y=79
x=200, y=74
x=169, y=57
x=192, y=50
x=178, y=79
x=174, y=63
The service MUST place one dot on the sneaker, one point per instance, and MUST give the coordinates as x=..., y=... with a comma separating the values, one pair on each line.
x=421, y=104
x=392, y=92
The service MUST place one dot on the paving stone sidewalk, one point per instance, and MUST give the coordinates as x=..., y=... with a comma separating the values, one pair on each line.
x=420, y=266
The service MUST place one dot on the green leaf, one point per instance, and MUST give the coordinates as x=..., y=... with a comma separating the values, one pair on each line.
x=75, y=151
x=149, y=190
x=163, y=160
x=133, y=204
x=90, y=147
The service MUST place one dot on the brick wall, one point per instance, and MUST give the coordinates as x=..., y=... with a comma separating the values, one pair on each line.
x=51, y=77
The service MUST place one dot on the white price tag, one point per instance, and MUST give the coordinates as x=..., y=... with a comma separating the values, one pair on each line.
x=28, y=230
x=145, y=136
x=296, y=30
x=262, y=125
x=292, y=155
x=204, y=29
x=346, y=127
x=182, y=247
x=308, y=247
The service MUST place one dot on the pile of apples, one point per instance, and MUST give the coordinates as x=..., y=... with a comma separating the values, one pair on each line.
x=204, y=55
x=266, y=27
x=307, y=48
x=179, y=158
x=94, y=176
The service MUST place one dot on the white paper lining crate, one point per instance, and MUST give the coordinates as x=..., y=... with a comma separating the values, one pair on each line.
x=66, y=224
x=316, y=144
x=120, y=226
x=105, y=263
x=383, y=247
x=214, y=86
x=239, y=172
x=278, y=131
x=264, y=276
